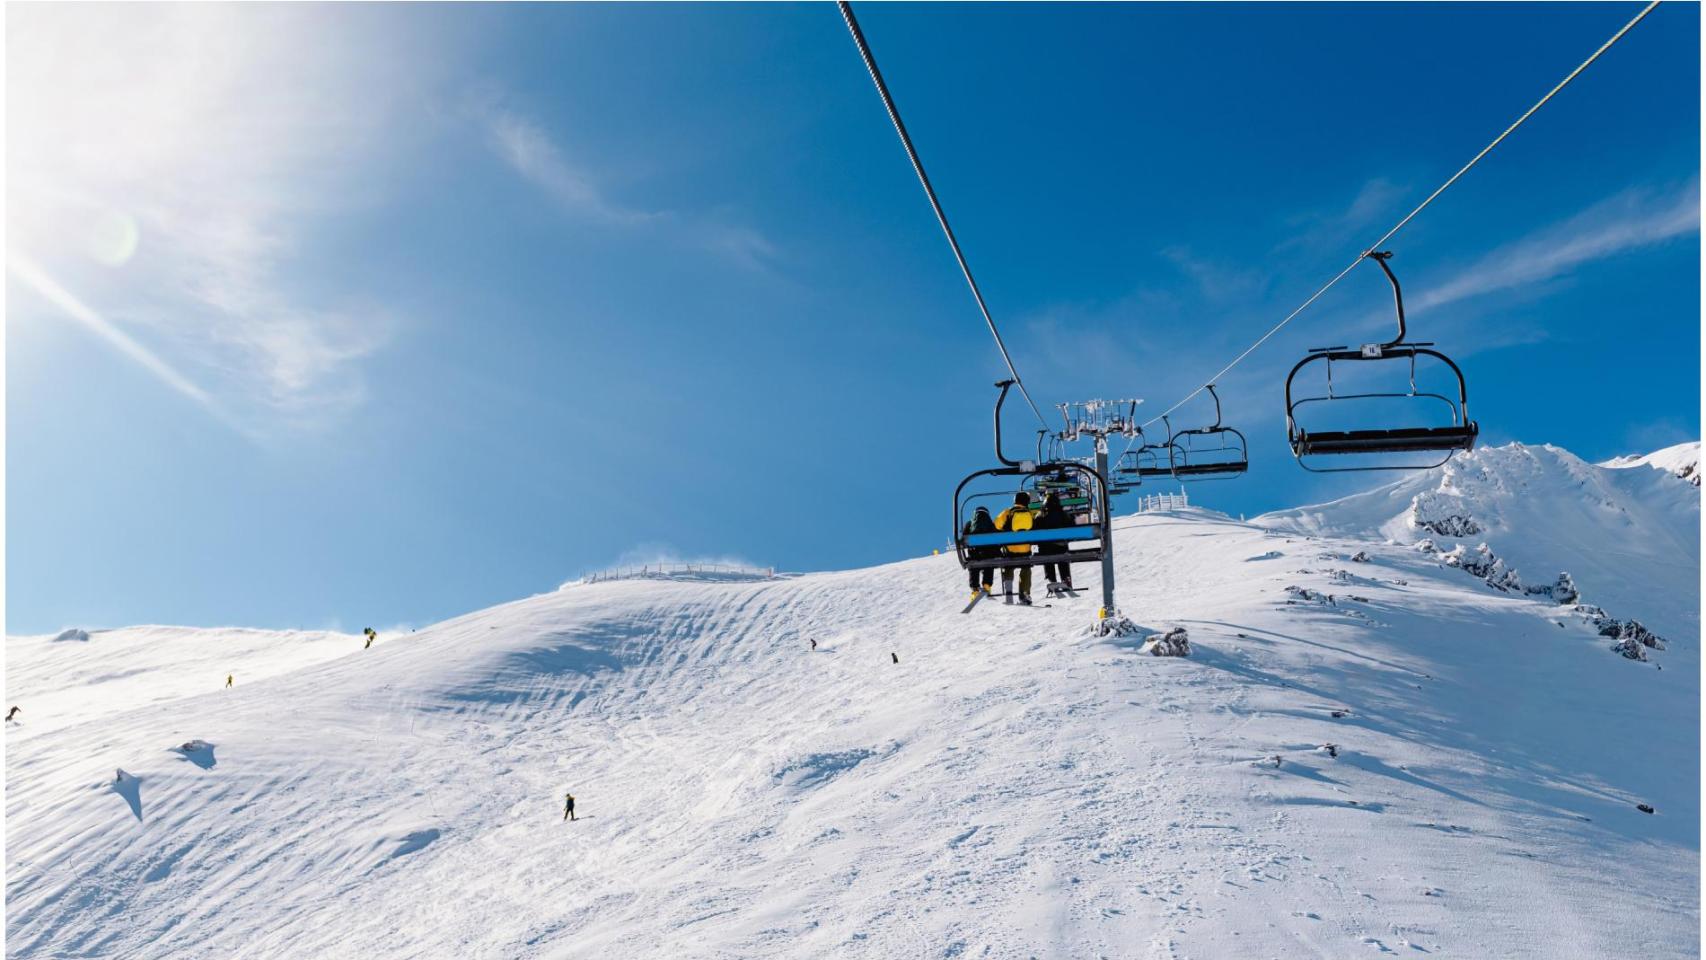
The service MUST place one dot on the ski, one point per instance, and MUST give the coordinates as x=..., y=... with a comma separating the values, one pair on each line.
x=975, y=598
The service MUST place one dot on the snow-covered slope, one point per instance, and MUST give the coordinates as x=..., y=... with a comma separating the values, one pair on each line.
x=81, y=675
x=1681, y=461
x=1420, y=764
x=1630, y=539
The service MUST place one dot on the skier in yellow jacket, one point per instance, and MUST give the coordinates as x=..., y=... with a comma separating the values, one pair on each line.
x=1016, y=517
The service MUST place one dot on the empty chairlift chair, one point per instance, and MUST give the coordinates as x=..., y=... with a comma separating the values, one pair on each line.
x=1439, y=440
x=1214, y=452
x=1148, y=460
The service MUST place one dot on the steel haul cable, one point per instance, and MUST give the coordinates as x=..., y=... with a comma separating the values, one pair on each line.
x=929, y=191
x=1408, y=217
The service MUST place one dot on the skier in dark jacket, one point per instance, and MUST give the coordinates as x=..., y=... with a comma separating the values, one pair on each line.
x=568, y=806
x=984, y=579
x=1054, y=517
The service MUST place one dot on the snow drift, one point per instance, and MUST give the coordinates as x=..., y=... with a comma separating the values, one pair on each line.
x=1364, y=751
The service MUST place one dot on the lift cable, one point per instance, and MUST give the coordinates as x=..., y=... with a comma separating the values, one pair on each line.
x=1410, y=216
x=929, y=191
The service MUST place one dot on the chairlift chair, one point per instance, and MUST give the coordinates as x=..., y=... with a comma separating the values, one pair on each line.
x=1214, y=452
x=1148, y=460
x=1082, y=542
x=1448, y=439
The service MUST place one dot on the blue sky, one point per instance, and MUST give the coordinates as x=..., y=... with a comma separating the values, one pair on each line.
x=337, y=316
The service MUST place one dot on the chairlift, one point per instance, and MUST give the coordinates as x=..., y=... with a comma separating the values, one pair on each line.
x=1148, y=460
x=1448, y=439
x=1214, y=452
x=1083, y=542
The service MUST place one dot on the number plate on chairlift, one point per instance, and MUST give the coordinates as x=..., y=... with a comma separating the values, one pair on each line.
x=1371, y=351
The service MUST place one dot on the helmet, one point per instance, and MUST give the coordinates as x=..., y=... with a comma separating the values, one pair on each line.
x=1022, y=498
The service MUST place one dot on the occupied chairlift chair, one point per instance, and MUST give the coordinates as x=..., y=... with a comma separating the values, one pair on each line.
x=1080, y=543
x=1215, y=452
x=1458, y=435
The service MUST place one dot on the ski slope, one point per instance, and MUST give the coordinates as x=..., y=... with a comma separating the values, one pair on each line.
x=1014, y=786
x=83, y=675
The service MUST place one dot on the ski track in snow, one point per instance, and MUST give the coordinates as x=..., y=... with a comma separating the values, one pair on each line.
x=1013, y=787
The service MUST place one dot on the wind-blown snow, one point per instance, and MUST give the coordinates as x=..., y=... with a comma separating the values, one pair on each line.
x=1393, y=757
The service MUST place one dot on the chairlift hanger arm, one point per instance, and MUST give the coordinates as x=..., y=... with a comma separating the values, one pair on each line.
x=1381, y=257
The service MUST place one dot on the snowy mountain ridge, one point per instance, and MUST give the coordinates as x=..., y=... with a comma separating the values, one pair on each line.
x=1366, y=751
x=1520, y=516
x=1681, y=461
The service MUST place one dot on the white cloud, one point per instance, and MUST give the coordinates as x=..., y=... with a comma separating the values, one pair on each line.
x=169, y=163
x=1627, y=221
x=530, y=151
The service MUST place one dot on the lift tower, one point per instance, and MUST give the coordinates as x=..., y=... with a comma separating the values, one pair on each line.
x=1100, y=419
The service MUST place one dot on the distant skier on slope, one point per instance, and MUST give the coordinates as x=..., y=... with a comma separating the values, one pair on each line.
x=568, y=806
x=371, y=636
x=1016, y=518
x=12, y=713
x=228, y=681
x=980, y=522
x=1054, y=517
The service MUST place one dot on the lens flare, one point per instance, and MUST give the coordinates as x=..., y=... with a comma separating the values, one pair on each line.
x=113, y=238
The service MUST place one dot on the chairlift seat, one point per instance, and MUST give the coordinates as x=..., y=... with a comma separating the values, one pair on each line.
x=1210, y=469
x=1092, y=555
x=1404, y=440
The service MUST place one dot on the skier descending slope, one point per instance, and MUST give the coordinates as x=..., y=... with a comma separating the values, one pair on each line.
x=1015, y=518
x=568, y=806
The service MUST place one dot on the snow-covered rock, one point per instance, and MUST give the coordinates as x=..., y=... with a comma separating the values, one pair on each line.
x=1174, y=643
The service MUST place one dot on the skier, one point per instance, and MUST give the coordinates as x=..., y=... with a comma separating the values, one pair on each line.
x=1016, y=518
x=896, y=656
x=228, y=680
x=814, y=643
x=12, y=713
x=371, y=636
x=568, y=806
x=1054, y=517
x=985, y=578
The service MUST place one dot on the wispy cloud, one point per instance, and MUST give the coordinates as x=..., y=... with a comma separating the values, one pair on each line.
x=1628, y=221
x=171, y=163
x=1333, y=227
x=529, y=149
